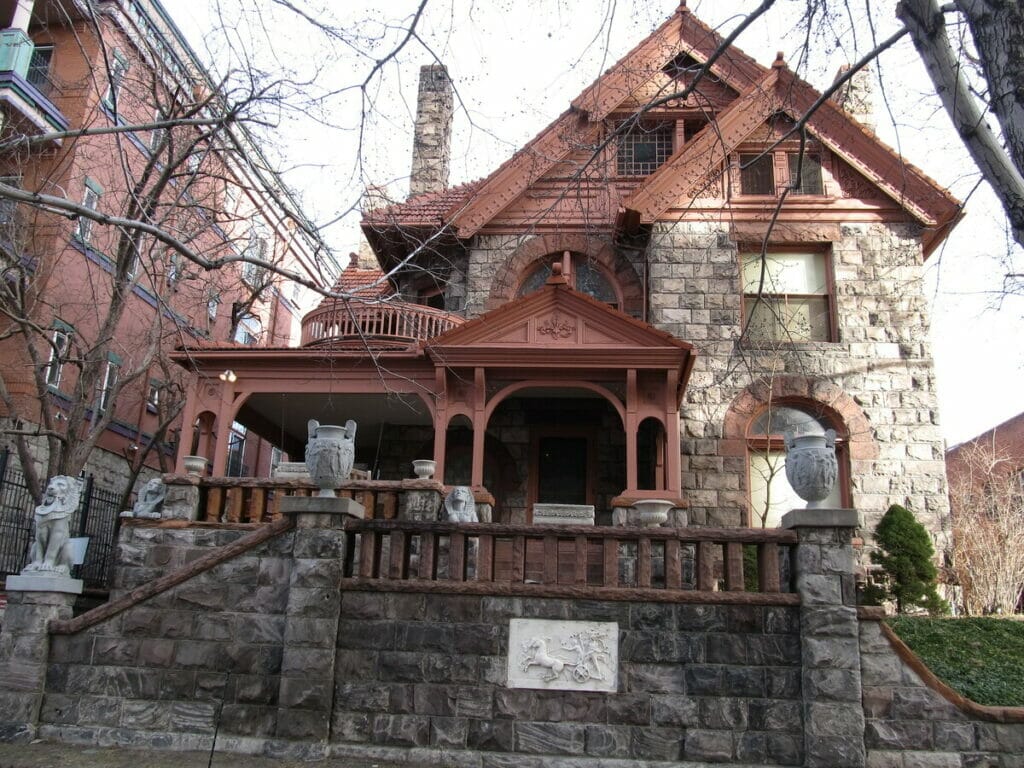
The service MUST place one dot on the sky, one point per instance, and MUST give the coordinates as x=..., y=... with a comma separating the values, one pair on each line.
x=516, y=65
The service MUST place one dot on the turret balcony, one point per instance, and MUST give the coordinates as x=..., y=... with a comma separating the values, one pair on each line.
x=341, y=323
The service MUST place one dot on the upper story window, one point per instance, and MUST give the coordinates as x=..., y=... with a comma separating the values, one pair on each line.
x=110, y=377
x=585, y=276
x=248, y=330
x=764, y=173
x=39, y=69
x=644, y=147
x=60, y=348
x=118, y=68
x=90, y=200
x=788, y=297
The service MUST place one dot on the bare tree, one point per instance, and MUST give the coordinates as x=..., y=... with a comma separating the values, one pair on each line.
x=987, y=497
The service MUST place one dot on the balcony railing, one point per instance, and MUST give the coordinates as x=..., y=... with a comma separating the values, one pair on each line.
x=348, y=322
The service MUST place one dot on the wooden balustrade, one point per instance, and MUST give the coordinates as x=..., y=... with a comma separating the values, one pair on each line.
x=353, y=321
x=250, y=500
x=681, y=565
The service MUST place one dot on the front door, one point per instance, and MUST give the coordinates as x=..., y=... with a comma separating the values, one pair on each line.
x=560, y=469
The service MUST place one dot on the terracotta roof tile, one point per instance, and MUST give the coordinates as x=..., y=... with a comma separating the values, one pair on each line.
x=426, y=210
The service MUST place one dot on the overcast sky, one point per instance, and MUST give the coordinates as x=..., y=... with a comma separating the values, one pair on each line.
x=517, y=64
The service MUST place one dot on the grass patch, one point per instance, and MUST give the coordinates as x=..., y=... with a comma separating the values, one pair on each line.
x=981, y=658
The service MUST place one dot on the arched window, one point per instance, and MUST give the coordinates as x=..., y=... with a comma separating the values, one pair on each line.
x=585, y=275
x=771, y=495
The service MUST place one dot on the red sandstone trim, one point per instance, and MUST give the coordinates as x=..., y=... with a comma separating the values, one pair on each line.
x=912, y=660
x=155, y=587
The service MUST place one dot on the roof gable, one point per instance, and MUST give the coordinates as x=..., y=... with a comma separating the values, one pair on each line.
x=557, y=317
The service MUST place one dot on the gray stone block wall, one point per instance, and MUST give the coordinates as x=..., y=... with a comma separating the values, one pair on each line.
x=697, y=683
x=881, y=360
x=203, y=655
x=909, y=725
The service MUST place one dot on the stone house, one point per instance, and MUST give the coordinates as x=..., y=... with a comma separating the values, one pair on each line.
x=697, y=255
x=68, y=66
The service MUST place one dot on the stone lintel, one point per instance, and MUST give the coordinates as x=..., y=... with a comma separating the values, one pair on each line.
x=822, y=518
x=321, y=505
x=34, y=582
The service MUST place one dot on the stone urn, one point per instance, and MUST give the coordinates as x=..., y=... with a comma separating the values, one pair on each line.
x=652, y=512
x=195, y=465
x=330, y=453
x=424, y=468
x=811, y=466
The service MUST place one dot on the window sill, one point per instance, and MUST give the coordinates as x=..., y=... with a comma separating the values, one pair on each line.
x=788, y=346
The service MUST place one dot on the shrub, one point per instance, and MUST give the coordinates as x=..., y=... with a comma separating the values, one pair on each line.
x=906, y=555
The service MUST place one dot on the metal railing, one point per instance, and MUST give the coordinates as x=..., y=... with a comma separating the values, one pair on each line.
x=96, y=517
x=356, y=322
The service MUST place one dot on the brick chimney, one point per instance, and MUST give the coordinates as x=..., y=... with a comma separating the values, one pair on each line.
x=431, y=149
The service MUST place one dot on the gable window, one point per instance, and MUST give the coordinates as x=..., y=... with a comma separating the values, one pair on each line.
x=805, y=175
x=787, y=297
x=771, y=495
x=118, y=68
x=60, y=347
x=585, y=276
x=644, y=147
x=90, y=200
x=110, y=376
x=757, y=174
x=39, y=69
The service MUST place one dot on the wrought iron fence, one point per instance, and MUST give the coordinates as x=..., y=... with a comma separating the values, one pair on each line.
x=96, y=517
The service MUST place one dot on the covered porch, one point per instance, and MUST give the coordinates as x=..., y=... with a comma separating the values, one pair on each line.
x=551, y=398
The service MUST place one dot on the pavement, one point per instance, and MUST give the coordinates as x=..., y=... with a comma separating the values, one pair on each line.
x=47, y=755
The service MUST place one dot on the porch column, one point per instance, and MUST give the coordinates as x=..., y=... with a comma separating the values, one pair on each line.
x=225, y=417
x=673, y=468
x=479, y=426
x=631, y=426
x=440, y=422
x=188, y=419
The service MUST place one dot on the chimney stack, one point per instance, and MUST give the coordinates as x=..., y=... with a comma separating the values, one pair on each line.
x=855, y=95
x=431, y=149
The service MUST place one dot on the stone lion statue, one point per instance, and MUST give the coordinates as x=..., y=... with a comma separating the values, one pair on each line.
x=150, y=502
x=460, y=506
x=50, y=550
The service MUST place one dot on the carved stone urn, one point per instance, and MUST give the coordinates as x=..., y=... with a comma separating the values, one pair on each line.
x=424, y=468
x=195, y=465
x=652, y=512
x=811, y=466
x=330, y=454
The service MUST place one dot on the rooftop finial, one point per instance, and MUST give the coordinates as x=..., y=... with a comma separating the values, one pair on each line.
x=780, y=61
x=682, y=7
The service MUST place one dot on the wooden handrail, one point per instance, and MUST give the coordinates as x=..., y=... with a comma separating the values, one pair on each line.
x=693, y=564
x=342, y=321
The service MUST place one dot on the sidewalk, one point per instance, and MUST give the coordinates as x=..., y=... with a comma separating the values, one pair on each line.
x=48, y=755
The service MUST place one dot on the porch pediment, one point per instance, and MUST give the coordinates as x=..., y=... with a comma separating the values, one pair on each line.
x=559, y=324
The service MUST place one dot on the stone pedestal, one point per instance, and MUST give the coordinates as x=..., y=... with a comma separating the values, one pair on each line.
x=306, y=690
x=563, y=514
x=833, y=712
x=181, y=502
x=419, y=503
x=24, y=651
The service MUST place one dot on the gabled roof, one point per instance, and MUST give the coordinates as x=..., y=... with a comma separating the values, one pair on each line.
x=558, y=325
x=762, y=92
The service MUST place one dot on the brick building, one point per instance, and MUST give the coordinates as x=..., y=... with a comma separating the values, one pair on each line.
x=1004, y=444
x=637, y=304
x=93, y=301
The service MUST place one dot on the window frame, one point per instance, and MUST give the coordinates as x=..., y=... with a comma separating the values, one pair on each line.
x=747, y=165
x=119, y=65
x=775, y=443
x=153, y=395
x=545, y=263
x=780, y=159
x=91, y=200
x=60, y=345
x=811, y=160
x=111, y=376
x=37, y=75
x=662, y=133
x=748, y=298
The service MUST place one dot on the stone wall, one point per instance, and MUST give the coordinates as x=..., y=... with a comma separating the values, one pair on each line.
x=203, y=655
x=714, y=683
x=909, y=724
x=880, y=367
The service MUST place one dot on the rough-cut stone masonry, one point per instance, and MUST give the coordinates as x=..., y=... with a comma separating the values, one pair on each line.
x=716, y=683
x=881, y=363
x=911, y=725
x=206, y=651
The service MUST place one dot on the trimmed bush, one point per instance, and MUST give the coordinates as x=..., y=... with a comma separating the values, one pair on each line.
x=906, y=555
